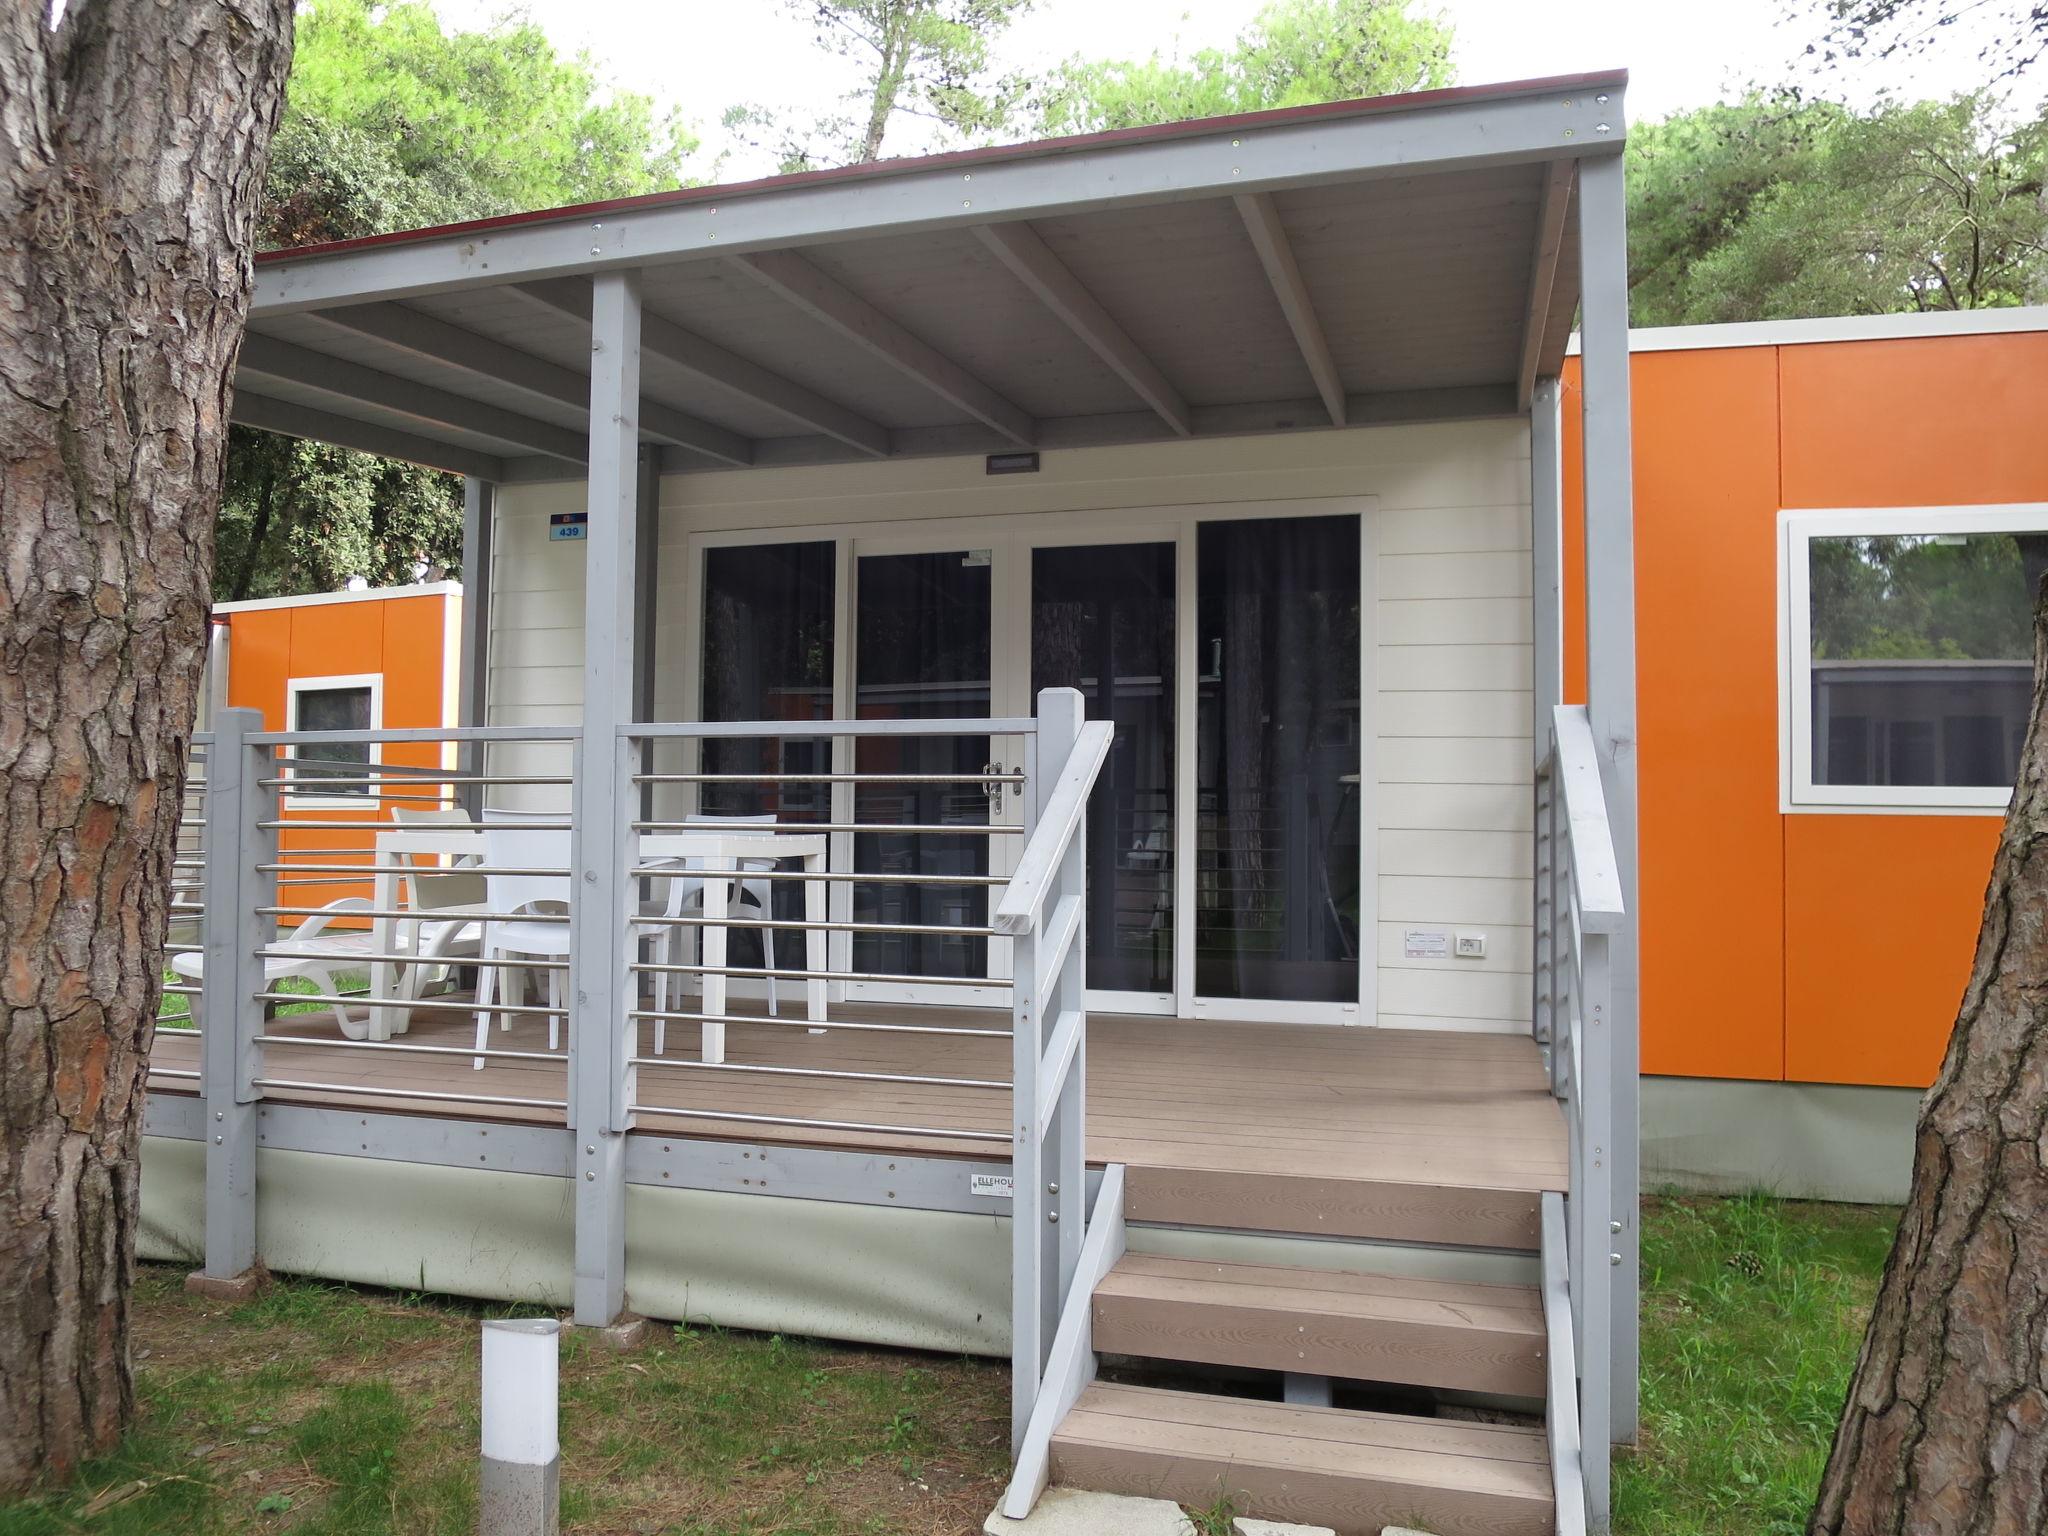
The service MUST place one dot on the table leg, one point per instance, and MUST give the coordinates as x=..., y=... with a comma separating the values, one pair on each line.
x=814, y=938
x=717, y=905
x=384, y=941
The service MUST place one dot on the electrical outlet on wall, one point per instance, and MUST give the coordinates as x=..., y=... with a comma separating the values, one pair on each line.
x=1471, y=946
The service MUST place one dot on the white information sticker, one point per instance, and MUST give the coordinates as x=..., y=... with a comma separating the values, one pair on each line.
x=996, y=1186
x=1425, y=944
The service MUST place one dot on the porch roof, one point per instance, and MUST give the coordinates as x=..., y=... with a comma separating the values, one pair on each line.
x=1395, y=259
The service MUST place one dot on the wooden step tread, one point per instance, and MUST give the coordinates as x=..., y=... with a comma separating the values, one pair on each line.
x=1450, y=1211
x=1361, y=1327
x=1355, y=1472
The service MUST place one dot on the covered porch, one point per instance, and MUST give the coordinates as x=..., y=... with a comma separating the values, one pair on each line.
x=1106, y=596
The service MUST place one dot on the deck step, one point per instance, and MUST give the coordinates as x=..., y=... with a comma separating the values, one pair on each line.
x=1354, y=1472
x=1464, y=1215
x=1428, y=1333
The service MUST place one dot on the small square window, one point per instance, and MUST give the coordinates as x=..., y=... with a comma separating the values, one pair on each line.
x=341, y=704
x=1909, y=640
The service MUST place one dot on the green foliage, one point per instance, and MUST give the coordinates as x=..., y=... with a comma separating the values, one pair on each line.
x=1908, y=597
x=1777, y=207
x=1295, y=52
x=2013, y=34
x=392, y=123
x=1752, y=1313
x=478, y=122
x=924, y=58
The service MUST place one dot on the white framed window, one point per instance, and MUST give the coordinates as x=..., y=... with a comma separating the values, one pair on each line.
x=1906, y=655
x=344, y=702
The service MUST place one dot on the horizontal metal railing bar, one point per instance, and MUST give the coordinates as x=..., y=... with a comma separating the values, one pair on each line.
x=415, y=776
x=358, y=958
x=488, y=1053
x=757, y=972
x=310, y=824
x=790, y=924
x=183, y=949
x=414, y=914
x=178, y=1029
x=322, y=789
x=292, y=867
x=364, y=1000
x=858, y=1077
x=834, y=876
x=817, y=1125
x=178, y=989
x=672, y=1016
x=814, y=730
x=177, y=1072
x=891, y=828
x=367, y=1091
x=828, y=778
x=428, y=733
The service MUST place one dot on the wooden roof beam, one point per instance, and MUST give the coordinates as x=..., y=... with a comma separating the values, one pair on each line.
x=1550, y=212
x=427, y=336
x=1269, y=239
x=1020, y=248
x=827, y=300
x=727, y=370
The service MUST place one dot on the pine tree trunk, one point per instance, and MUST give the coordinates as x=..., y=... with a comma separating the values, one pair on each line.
x=133, y=138
x=1946, y=1425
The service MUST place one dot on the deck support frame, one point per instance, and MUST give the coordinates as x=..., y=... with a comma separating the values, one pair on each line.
x=600, y=981
x=1611, y=704
x=231, y=1017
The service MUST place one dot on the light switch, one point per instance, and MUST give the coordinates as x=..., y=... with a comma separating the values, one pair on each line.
x=1471, y=946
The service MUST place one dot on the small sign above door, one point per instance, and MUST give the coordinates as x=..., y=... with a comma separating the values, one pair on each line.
x=568, y=525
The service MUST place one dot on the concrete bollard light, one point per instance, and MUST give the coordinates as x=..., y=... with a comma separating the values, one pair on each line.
x=520, y=1490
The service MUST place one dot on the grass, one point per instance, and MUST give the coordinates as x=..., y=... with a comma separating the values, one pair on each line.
x=175, y=1008
x=1753, y=1310
x=328, y=1410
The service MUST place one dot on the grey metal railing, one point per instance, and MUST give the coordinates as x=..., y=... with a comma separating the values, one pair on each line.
x=292, y=821
x=1579, y=909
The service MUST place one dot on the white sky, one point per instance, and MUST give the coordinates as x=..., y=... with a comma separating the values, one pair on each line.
x=705, y=55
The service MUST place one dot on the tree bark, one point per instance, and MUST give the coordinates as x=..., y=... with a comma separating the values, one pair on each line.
x=133, y=137
x=1946, y=1425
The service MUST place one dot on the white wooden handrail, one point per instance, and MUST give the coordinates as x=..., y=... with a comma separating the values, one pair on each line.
x=1595, y=871
x=1023, y=905
x=1561, y=1371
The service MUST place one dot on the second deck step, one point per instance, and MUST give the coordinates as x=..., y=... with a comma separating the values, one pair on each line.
x=1355, y=1472
x=1390, y=1328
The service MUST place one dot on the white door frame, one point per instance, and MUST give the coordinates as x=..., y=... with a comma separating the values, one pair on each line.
x=1010, y=537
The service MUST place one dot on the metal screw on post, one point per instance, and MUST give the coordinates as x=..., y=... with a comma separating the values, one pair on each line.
x=519, y=1492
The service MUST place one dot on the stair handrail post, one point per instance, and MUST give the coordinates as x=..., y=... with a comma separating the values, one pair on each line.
x=230, y=1012
x=1594, y=1197
x=1061, y=714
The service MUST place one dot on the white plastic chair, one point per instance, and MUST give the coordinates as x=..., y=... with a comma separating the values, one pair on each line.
x=306, y=953
x=510, y=845
x=686, y=890
x=447, y=897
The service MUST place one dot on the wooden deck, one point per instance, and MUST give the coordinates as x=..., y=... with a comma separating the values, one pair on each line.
x=1294, y=1128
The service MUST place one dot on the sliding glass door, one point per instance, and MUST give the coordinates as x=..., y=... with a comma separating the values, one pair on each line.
x=1225, y=835
x=922, y=651
x=1102, y=621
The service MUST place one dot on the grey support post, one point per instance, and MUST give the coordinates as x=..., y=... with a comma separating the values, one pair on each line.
x=479, y=532
x=1546, y=529
x=601, y=915
x=229, y=1013
x=1611, y=699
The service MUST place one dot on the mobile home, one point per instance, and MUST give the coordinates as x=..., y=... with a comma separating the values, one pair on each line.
x=1017, y=741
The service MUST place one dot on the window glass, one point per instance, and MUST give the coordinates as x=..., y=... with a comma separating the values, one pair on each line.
x=768, y=656
x=333, y=709
x=1922, y=657
x=1277, y=766
x=1102, y=622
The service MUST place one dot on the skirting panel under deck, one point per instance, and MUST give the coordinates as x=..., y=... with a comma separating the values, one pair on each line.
x=868, y=1274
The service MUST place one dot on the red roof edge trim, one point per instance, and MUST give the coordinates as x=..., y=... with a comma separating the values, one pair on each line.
x=1369, y=106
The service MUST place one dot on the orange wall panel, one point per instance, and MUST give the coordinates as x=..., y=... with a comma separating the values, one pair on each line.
x=1706, y=484
x=1933, y=422
x=1881, y=916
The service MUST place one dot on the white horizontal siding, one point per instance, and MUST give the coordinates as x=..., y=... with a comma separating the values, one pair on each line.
x=1449, y=589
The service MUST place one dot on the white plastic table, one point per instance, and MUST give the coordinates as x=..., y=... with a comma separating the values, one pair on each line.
x=714, y=855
